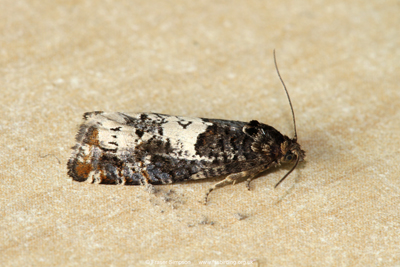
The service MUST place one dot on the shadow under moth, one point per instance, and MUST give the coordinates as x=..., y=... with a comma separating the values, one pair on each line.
x=152, y=148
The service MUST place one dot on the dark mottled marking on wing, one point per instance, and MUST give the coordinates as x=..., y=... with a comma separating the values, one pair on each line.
x=114, y=150
x=143, y=117
x=145, y=124
x=139, y=133
x=130, y=120
x=224, y=139
x=184, y=126
x=165, y=169
x=111, y=166
x=155, y=146
x=86, y=115
x=251, y=128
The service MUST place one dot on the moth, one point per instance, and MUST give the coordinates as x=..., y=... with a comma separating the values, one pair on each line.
x=152, y=148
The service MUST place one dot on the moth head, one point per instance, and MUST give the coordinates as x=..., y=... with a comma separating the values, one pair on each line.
x=291, y=151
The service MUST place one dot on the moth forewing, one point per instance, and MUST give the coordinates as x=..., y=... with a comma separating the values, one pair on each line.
x=151, y=148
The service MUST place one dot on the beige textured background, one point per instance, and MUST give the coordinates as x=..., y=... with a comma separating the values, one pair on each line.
x=340, y=61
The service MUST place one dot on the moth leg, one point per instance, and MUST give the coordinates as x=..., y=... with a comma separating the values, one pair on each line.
x=232, y=178
x=251, y=178
x=248, y=182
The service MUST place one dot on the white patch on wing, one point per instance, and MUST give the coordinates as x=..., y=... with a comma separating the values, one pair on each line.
x=182, y=138
x=182, y=132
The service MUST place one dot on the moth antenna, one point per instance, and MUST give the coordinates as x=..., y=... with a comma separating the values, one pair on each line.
x=291, y=107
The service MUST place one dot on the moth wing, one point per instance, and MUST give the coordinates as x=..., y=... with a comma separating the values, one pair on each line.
x=127, y=148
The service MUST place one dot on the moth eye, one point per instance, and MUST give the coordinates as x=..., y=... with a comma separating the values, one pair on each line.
x=289, y=157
